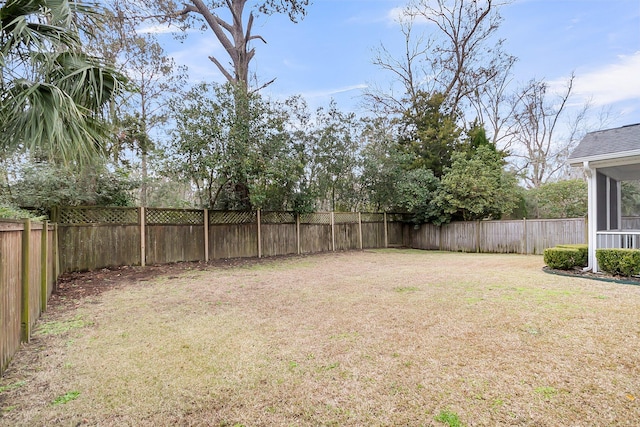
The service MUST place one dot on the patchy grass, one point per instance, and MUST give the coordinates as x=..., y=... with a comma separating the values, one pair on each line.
x=448, y=418
x=359, y=338
x=12, y=386
x=66, y=398
x=54, y=327
x=406, y=289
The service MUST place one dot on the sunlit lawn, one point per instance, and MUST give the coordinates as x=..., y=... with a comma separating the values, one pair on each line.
x=395, y=337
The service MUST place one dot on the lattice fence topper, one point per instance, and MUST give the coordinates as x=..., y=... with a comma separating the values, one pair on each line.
x=98, y=215
x=372, y=217
x=232, y=217
x=320, y=218
x=345, y=218
x=277, y=217
x=174, y=216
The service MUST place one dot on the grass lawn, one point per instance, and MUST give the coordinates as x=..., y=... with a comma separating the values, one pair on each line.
x=373, y=338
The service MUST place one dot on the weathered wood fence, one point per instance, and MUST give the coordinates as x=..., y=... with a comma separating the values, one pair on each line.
x=524, y=236
x=28, y=272
x=92, y=238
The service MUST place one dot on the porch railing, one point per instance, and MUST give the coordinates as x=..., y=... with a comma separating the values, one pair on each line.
x=622, y=239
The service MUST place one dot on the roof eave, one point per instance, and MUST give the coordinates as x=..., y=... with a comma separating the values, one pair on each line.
x=633, y=155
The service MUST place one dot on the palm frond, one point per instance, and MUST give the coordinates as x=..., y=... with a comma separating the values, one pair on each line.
x=52, y=92
x=41, y=115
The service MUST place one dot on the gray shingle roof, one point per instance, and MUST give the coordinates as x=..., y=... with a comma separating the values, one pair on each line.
x=610, y=141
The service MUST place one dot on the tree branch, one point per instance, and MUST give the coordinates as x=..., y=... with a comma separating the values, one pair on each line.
x=223, y=70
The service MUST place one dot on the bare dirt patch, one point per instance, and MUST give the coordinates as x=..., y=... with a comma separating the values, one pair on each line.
x=396, y=337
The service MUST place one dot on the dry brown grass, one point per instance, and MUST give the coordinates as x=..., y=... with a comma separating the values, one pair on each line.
x=359, y=338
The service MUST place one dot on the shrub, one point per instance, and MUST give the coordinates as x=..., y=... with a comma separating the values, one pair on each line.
x=584, y=252
x=625, y=262
x=8, y=211
x=562, y=258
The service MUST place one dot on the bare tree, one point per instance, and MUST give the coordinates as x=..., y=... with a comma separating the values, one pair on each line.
x=408, y=70
x=230, y=24
x=543, y=133
x=492, y=108
x=459, y=55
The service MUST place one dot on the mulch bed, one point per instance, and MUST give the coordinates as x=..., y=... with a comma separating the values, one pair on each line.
x=72, y=287
x=602, y=276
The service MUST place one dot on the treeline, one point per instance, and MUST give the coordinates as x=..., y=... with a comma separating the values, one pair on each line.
x=108, y=118
x=281, y=156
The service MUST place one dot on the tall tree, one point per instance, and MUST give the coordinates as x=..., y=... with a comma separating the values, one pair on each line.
x=476, y=186
x=383, y=164
x=335, y=153
x=53, y=93
x=543, y=132
x=217, y=151
x=429, y=133
x=459, y=56
x=464, y=54
x=232, y=26
x=154, y=77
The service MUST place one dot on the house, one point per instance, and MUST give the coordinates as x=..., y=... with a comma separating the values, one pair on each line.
x=608, y=157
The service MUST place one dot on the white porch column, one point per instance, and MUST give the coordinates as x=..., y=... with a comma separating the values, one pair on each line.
x=592, y=215
x=619, y=186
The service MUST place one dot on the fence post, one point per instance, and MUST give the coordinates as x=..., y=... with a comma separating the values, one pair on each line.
x=206, y=235
x=25, y=322
x=524, y=236
x=56, y=257
x=333, y=232
x=55, y=214
x=143, y=237
x=360, y=229
x=44, y=258
x=386, y=232
x=478, y=225
x=259, y=235
x=298, y=231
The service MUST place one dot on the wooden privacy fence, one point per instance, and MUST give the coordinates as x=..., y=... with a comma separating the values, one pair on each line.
x=28, y=272
x=92, y=237
x=524, y=236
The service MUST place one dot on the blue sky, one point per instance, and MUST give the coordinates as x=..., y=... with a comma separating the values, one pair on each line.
x=328, y=55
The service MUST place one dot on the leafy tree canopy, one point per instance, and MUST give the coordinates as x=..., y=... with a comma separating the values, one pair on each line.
x=42, y=185
x=477, y=187
x=429, y=133
x=562, y=199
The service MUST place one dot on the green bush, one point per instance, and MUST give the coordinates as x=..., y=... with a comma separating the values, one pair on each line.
x=625, y=262
x=8, y=211
x=562, y=258
x=584, y=252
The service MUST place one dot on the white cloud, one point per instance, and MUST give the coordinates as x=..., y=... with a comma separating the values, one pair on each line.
x=335, y=91
x=611, y=83
x=294, y=65
x=158, y=29
x=194, y=53
x=397, y=14
x=402, y=14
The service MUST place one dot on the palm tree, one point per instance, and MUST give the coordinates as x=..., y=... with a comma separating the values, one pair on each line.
x=53, y=94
